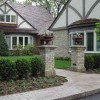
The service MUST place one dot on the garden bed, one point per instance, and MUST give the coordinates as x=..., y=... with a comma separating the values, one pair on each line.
x=11, y=87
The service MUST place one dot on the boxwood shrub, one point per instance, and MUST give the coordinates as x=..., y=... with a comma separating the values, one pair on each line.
x=23, y=68
x=92, y=61
x=37, y=66
x=7, y=70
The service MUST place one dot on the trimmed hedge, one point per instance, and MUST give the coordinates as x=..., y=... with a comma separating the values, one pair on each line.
x=92, y=61
x=7, y=70
x=21, y=68
x=37, y=66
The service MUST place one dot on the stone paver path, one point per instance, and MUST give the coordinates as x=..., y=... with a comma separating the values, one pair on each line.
x=79, y=84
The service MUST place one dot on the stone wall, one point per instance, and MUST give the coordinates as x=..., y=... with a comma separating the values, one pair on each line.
x=77, y=58
x=47, y=55
x=61, y=41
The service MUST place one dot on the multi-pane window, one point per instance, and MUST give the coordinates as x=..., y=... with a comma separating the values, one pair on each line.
x=91, y=40
x=14, y=41
x=7, y=18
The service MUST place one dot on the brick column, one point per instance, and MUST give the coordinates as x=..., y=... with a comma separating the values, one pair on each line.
x=47, y=54
x=77, y=58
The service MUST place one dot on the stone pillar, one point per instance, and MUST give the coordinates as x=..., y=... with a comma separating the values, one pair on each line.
x=47, y=54
x=77, y=58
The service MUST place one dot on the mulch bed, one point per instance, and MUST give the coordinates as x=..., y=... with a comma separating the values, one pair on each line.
x=18, y=86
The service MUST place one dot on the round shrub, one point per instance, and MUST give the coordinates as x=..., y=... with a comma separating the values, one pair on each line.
x=37, y=66
x=7, y=70
x=23, y=68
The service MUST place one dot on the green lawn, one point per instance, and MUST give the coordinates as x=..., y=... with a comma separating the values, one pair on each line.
x=60, y=64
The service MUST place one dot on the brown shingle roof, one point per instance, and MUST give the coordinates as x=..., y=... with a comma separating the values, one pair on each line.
x=37, y=16
x=85, y=22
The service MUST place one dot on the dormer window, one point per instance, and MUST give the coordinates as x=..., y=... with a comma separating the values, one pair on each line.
x=7, y=18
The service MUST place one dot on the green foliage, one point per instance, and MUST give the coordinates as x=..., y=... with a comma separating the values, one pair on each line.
x=98, y=31
x=20, y=68
x=3, y=45
x=92, y=61
x=37, y=66
x=23, y=68
x=53, y=6
x=97, y=60
x=89, y=62
x=27, y=50
x=7, y=70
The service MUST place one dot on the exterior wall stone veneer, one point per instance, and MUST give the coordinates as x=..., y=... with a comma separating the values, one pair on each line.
x=47, y=54
x=77, y=58
x=61, y=41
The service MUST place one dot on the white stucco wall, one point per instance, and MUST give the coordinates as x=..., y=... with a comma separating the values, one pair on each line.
x=2, y=7
x=78, y=5
x=96, y=12
x=62, y=21
x=72, y=16
x=11, y=13
x=89, y=4
x=23, y=25
x=1, y=12
x=19, y=20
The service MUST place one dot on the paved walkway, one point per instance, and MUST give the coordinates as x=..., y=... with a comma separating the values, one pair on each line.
x=79, y=84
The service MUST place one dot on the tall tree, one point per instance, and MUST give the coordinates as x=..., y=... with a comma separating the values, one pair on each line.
x=27, y=2
x=54, y=6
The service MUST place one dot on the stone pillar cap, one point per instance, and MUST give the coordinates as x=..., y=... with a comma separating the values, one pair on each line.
x=78, y=46
x=47, y=46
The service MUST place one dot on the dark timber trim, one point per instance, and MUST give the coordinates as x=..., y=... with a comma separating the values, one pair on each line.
x=75, y=11
x=91, y=9
x=8, y=11
x=2, y=10
x=21, y=24
x=50, y=28
x=84, y=9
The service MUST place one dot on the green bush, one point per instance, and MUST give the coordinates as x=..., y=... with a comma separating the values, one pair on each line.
x=23, y=68
x=96, y=61
x=37, y=66
x=89, y=62
x=3, y=45
x=7, y=70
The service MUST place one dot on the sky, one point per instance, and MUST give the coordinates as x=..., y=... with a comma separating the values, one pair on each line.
x=20, y=0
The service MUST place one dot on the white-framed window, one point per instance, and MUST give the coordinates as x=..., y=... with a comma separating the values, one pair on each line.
x=14, y=40
x=4, y=18
x=91, y=40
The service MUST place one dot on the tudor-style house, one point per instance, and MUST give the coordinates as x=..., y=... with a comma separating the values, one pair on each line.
x=77, y=16
x=23, y=24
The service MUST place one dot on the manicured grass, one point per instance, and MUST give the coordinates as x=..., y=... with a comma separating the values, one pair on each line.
x=62, y=64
